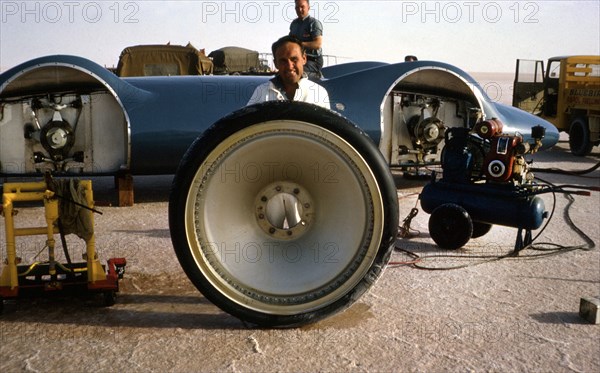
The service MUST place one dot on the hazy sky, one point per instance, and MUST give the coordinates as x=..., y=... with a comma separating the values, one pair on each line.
x=473, y=35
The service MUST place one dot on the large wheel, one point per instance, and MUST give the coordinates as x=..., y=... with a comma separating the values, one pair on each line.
x=450, y=226
x=579, y=137
x=283, y=213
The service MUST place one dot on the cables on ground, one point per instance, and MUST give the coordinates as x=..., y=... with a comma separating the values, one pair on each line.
x=543, y=249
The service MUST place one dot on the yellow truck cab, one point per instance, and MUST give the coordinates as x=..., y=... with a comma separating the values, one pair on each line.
x=566, y=93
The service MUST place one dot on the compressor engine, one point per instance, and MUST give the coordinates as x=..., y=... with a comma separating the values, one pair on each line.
x=486, y=180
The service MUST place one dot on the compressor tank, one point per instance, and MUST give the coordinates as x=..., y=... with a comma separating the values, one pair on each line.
x=487, y=203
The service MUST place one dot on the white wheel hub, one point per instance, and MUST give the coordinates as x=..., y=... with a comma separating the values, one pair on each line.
x=284, y=210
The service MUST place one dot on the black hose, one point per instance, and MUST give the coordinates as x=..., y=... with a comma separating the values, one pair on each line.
x=566, y=172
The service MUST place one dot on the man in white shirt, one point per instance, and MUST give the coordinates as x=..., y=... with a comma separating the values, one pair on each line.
x=290, y=83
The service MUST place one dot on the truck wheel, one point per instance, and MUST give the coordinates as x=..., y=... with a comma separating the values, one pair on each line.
x=579, y=137
x=450, y=226
x=283, y=213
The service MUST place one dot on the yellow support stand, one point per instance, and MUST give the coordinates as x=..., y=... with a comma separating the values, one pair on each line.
x=13, y=274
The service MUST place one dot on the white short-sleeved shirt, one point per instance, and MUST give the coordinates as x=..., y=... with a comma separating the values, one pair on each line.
x=308, y=91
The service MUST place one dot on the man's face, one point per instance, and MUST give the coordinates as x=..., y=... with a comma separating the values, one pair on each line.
x=302, y=8
x=289, y=62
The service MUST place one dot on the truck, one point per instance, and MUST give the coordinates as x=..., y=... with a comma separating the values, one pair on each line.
x=566, y=93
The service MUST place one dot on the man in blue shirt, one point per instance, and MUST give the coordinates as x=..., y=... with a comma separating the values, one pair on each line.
x=309, y=31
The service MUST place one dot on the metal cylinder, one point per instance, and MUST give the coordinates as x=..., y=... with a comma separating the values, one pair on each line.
x=487, y=203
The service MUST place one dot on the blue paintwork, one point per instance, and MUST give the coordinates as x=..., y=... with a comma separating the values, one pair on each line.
x=336, y=71
x=179, y=110
x=362, y=92
x=167, y=113
x=498, y=204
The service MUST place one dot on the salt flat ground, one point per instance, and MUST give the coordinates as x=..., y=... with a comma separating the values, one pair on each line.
x=510, y=315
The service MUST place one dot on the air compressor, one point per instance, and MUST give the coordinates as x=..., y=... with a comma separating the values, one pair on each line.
x=486, y=180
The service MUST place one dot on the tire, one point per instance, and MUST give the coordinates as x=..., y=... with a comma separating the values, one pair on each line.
x=480, y=229
x=109, y=298
x=579, y=137
x=283, y=213
x=450, y=226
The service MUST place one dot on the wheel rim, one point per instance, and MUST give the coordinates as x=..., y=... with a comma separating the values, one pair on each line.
x=281, y=257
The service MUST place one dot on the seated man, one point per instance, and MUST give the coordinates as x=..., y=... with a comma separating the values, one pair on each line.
x=290, y=83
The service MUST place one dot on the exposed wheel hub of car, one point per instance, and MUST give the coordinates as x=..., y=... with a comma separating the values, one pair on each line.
x=284, y=210
x=57, y=137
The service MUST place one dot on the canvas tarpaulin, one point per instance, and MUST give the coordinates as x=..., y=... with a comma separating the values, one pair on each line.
x=153, y=60
x=230, y=60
